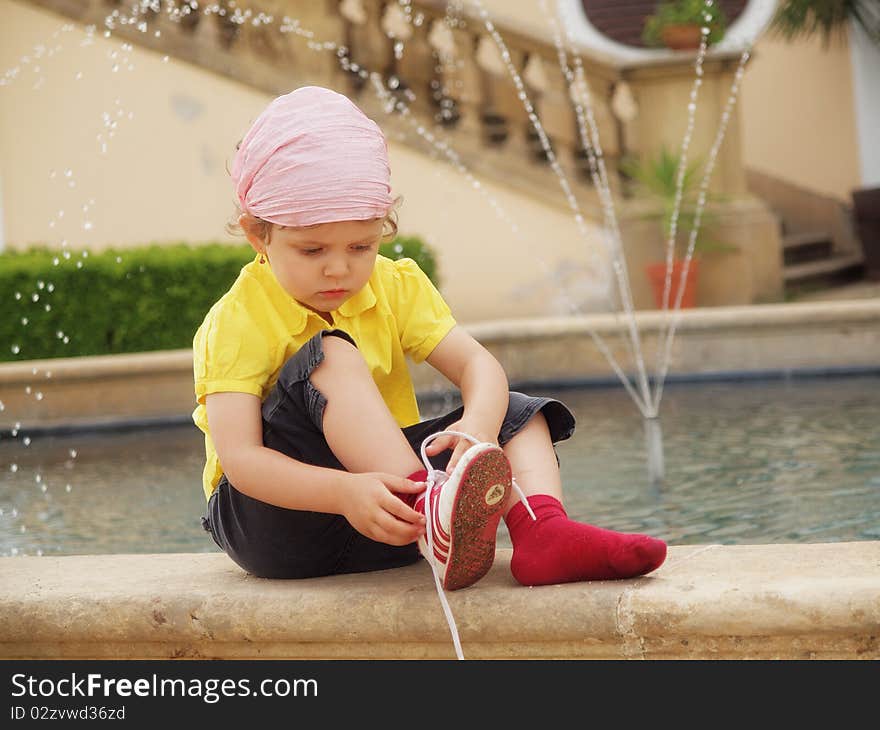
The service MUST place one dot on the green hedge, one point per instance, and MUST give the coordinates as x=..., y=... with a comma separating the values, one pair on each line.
x=412, y=247
x=129, y=300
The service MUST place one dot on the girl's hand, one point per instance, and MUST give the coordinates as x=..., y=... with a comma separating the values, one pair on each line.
x=372, y=508
x=458, y=444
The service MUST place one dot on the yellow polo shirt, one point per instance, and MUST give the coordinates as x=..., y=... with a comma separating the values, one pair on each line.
x=253, y=329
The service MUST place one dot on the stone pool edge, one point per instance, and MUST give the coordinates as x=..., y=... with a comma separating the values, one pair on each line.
x=773, y=340
x=785, y=601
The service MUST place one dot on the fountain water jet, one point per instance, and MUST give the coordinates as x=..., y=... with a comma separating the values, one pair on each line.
x=579, y=90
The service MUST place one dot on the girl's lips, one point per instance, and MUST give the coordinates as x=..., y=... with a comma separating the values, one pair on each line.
x=333, y=292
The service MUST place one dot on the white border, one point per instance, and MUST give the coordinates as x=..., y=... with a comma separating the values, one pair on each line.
x=865, y=57
x=748, y=26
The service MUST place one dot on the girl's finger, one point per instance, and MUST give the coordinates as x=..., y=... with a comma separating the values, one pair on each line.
x=456, y=455
x=397, y=508
x=402, y=484
x=440, y=443
x=395, y=531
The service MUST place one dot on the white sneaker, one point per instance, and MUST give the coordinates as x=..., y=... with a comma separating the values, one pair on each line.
x=463, y=511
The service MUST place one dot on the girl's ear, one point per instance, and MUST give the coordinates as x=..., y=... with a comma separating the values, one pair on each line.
x=254, y=230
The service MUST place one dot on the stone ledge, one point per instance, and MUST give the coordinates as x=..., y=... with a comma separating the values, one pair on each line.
x=712, y=341
x=787, y=601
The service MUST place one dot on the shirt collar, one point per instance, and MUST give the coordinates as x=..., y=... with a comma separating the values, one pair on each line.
x=359, y=303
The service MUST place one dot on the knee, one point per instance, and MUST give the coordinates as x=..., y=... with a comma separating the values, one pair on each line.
x=340, y=354
x=536, y=424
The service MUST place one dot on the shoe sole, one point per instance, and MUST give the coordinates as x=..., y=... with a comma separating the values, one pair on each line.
x=476, y=511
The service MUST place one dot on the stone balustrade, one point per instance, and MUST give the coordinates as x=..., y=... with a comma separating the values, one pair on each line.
x=439, y=59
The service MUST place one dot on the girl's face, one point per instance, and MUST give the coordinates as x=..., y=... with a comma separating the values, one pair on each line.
x=321, y=266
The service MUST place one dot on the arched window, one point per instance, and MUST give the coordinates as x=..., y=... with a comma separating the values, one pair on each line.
x=623, y=20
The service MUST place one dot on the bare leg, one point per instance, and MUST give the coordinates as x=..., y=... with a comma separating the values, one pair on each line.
x=533, y=461
x=358, y=426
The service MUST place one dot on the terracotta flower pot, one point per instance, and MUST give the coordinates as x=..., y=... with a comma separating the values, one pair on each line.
x=681, y=37
x=657, y=276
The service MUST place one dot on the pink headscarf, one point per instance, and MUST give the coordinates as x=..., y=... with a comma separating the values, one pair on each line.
x=313, y=157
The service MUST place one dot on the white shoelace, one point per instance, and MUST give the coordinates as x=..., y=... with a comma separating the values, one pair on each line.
x=437, y=476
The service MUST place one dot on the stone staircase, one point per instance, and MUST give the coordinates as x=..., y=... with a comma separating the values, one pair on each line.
x=820, y=250
x=811, y=264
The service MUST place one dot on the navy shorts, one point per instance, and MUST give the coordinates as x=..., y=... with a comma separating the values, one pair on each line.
x=274, y=542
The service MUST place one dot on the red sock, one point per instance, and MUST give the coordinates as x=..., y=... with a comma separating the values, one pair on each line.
x=555, y=549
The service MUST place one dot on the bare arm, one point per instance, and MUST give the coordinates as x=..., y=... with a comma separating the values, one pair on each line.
x=483, y=384
x=366, y=500
x=263, y=473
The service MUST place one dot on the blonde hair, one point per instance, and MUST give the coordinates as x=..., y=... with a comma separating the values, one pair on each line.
x=389, y=225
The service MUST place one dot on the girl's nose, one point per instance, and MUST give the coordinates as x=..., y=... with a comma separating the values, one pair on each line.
x=336, y=267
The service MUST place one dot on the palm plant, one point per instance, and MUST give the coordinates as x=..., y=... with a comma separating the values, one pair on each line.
x=797, y=18
x=657, y=178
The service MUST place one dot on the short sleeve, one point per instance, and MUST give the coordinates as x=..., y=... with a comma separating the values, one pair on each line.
x=230, y=353
x=423, y=317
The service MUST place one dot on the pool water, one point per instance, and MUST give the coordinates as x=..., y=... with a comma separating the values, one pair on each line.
x=746, y=462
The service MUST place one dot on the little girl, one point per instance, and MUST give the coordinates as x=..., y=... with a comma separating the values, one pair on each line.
x=312, y=430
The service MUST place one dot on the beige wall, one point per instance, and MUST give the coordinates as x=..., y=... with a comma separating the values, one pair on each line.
x=798, y=117
x=163, y=175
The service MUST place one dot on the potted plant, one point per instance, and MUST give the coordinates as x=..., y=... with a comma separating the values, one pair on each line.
x=677, y=24
x=655, y=178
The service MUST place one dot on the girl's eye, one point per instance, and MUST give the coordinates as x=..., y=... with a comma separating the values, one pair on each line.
x=363, y=247
x=311, y=251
